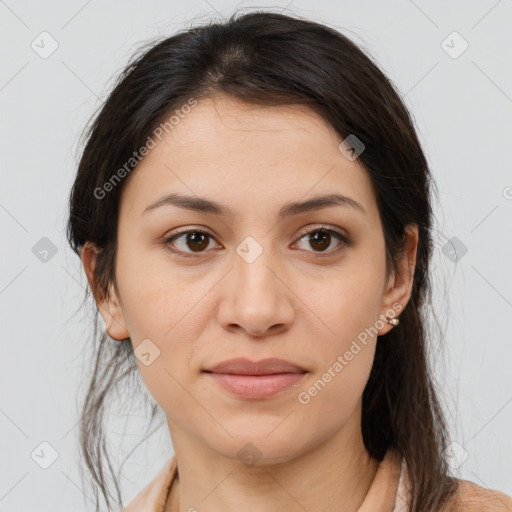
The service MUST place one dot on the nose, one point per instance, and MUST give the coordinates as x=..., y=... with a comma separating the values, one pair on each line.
x=256, y=298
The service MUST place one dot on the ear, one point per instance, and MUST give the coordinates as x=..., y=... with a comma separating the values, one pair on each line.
x=399, y=285
x=109, y=306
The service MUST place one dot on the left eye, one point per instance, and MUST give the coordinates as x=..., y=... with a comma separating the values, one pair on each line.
x=322, y=237
x=198, y=241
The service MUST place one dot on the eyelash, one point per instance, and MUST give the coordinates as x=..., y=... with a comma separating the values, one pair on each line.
x=342, y=238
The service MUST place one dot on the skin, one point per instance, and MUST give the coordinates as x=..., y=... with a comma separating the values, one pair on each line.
x=294, y=301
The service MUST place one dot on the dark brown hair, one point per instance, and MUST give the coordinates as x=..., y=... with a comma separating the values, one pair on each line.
x=275, y=59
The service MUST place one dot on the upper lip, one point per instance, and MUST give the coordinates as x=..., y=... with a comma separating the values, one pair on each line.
x=243, y=366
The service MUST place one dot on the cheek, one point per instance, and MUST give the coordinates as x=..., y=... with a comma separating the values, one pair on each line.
x=156, y=296
x=335, y=393
x=348, y=309
x=346, y=337
x=345, y=363
x=161, y=315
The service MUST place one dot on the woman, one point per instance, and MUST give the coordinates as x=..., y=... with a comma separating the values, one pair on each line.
x=253, y=213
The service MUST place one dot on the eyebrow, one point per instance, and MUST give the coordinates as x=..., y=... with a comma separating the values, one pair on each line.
x=204, y=205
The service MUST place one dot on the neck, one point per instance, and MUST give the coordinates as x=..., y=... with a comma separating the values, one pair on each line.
x=333, y=476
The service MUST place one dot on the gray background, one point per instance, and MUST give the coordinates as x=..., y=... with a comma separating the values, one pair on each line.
x=462, y=105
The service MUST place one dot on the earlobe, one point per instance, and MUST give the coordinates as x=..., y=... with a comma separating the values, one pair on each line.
x=399, y=286
x=109, y=305
x=113, y=316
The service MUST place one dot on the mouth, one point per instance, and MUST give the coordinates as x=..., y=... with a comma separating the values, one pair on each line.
x=256, y=380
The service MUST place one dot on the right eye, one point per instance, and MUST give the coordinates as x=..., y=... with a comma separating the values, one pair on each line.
x=194, y=239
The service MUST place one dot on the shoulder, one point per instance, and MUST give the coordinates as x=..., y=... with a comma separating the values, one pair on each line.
x=467, y=497
x=153, y=496
x=471, y=497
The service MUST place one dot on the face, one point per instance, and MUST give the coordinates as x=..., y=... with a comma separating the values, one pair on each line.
x=252, y=278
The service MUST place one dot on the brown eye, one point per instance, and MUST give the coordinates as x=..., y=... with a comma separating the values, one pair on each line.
x=321, y=238
x=197, y=241
x=193, y=241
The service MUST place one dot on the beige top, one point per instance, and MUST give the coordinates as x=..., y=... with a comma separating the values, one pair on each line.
x=389, y=492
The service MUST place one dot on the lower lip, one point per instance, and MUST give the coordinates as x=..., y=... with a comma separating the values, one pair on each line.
x=256, y=387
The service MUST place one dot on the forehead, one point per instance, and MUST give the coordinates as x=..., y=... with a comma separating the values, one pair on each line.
x=243, y=154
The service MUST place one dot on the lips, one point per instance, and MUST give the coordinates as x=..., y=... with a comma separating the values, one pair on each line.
x=242, y=366
x=256, y=380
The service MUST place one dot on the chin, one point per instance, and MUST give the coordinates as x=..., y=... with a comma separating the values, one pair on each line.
x=252, y=445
